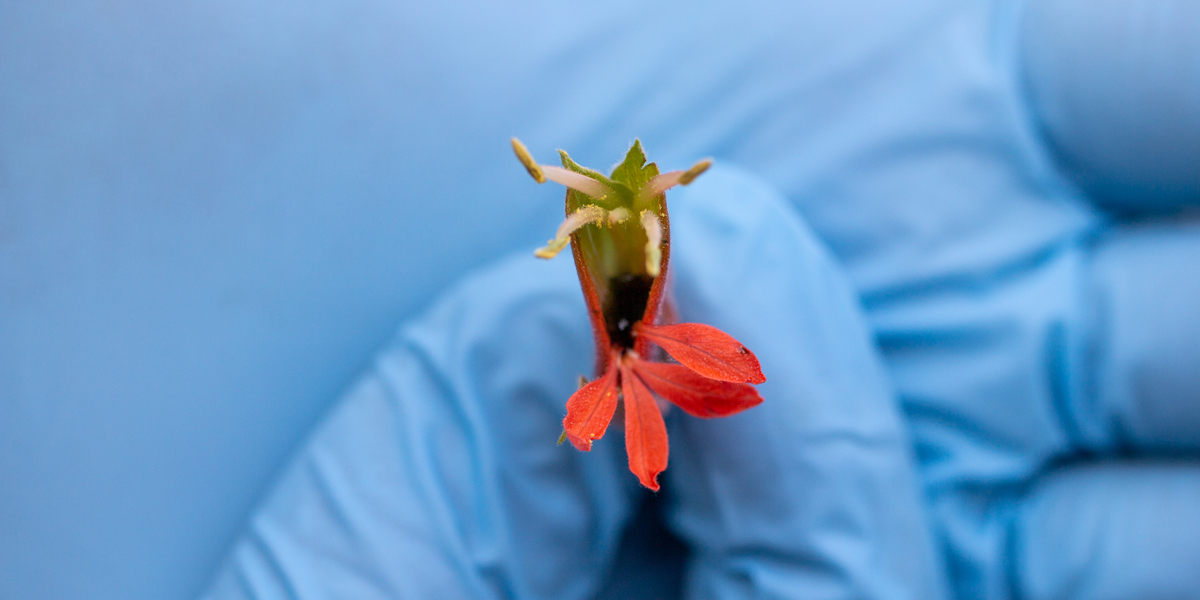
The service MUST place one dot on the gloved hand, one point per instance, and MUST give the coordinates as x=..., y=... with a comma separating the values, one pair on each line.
x=437, y=475
x=1022, y=243
x=1042, y=348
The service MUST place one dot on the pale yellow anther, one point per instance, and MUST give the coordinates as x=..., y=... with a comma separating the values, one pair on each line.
x=552, y=248
x=587, y=214
x=694, y=172
x=654, y=235
x=526, y=159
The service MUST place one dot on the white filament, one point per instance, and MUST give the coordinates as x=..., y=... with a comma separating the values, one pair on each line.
x=654, y=235
x=575, y=181
x=665, y=181
x=562, y=237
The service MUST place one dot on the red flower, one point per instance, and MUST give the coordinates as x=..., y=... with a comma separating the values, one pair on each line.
x=622, y=267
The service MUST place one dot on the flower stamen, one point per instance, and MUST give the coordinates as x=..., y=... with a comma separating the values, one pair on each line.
x=618, y=215
x=587, y=214
x=666, y=181
x=571, y=179
x=575, y=181
x=654, y=236
x=526, y=159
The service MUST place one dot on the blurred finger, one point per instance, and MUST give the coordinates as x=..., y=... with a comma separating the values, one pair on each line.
x=1116, y=84
x=1111, y=532
x=1146, y=349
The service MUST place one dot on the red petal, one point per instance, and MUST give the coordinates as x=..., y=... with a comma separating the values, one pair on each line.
x=645, y=432
x=590, y=409
x=705, y=350
x=696, y=394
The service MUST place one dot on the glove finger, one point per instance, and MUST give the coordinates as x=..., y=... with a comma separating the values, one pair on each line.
x=1111, y=531
x=437, y=476
x=1116, y=84
x=814, y=490
x=1145, y=287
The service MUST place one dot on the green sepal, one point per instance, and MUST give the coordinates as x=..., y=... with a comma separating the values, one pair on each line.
x=571, y=165
x=622, y=196
x=633, y=171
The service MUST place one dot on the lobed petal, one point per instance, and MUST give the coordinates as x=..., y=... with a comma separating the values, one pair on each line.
x=590, y=409
x=696, y=394
x=645, y=431
x=705, y=350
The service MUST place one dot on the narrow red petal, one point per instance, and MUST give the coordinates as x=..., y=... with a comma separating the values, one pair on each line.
x=645, y=431
x=590, y=409
x=705, y=350
x=696, y=394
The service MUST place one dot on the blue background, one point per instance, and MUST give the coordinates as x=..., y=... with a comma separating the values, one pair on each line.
x=211, y=213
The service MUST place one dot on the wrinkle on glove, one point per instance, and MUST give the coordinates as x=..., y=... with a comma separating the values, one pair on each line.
x=1066, y=344
x=437, y=475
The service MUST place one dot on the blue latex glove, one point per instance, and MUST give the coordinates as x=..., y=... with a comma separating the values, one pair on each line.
x=437, y=475
x=1045, y=345
x=1034, y=339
